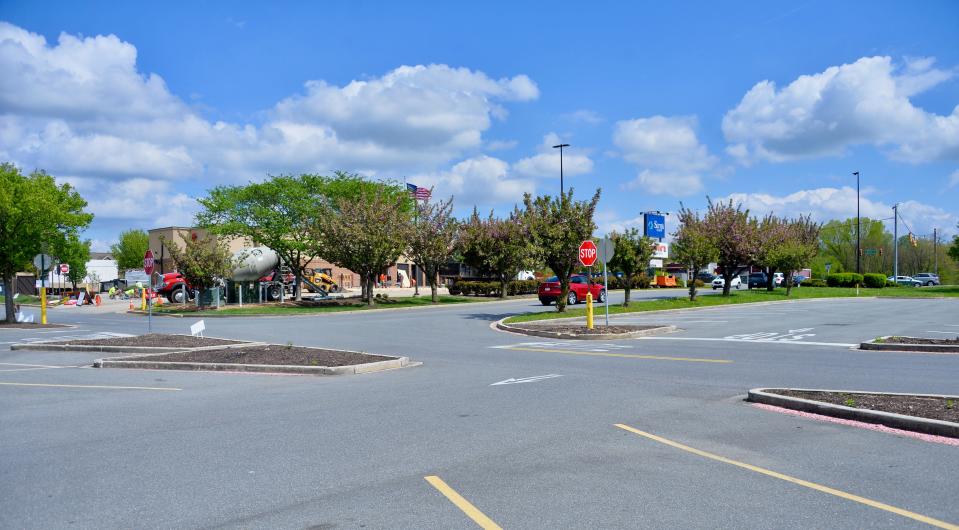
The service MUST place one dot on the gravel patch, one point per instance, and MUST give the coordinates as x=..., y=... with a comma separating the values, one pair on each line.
x=153, y=340
x=269, y=354
x=936, y=408
x=920, y=340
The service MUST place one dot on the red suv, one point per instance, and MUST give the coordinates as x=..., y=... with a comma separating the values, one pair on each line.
x=579, y=285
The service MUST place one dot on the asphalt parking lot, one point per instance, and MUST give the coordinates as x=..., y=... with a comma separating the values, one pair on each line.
x=647, y=432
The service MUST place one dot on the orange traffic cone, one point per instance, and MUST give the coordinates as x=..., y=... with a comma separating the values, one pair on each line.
x=131, y=304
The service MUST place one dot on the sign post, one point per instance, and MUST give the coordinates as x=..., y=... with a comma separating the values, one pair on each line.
x=148, y=269
x=43, y=263
x=606, y=250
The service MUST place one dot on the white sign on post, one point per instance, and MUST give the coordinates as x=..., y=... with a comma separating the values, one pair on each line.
x=197, y=329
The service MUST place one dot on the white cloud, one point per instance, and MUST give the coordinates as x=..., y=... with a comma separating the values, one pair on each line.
x=668, y=152
x=953, y=179
x=866, y=102
x=660, y=183
x=546, y=162
x=588, y=117
x=80, y=107
x=483, y=180
x=825, y=204
x=501, y=145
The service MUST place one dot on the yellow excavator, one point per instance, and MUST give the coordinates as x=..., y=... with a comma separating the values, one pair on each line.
x=320, y=281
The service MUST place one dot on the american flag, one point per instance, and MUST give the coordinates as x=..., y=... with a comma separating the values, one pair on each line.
x=418, y=192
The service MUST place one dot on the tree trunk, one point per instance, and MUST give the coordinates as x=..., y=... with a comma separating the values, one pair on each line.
x=369, y=289
x=298, y=287
x=789, y=282
x=8, y=298
x=626, y=289
x=504, y=286
x=435, y=298
x=563, y=293
x=770, y=281
x=692, y=286
x=727, y=280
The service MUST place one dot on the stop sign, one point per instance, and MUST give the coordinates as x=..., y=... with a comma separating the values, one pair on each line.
x=148, y=262
x=587, y=253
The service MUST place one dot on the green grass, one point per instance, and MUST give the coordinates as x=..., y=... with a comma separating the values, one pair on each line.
x=23, y=299
x=745, y=297
x=276, y=309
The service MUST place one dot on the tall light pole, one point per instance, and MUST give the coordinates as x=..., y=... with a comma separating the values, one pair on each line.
x=895, y=240
x=560, y=147
x=858, y=229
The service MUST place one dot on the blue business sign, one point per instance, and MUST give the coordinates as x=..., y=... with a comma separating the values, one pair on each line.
x=655, y=225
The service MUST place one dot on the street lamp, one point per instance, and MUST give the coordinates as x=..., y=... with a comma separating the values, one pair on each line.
x=858, y=229
x=560, y=146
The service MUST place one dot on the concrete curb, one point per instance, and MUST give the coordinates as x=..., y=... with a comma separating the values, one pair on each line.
x=889, y=419
x=399, y=362
x=557, y=335
x=924, y=348
x=46, y=346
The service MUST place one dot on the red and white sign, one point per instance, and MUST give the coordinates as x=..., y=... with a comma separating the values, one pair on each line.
x=587, y=253
x=64, y=268
x=148, y=262
x=661, y=251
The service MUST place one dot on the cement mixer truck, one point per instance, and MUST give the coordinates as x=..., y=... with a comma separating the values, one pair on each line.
x=253, y=264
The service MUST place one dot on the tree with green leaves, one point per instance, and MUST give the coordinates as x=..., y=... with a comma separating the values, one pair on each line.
x=368, y=234
x=129, y=249
x=497, y=247
x=279, y=213
x=433, y=239
x=733, y=234
x=632, y=255
x=558, y=225
x=797, y=250
x=954, y=249
x=772, y=233
x=36, y=215
x=693, y=246
x=202, y=262
x=75, y=253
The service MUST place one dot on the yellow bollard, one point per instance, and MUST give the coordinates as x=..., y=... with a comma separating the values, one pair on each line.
x=589, y=310
x=43, y=305
x=143, y=299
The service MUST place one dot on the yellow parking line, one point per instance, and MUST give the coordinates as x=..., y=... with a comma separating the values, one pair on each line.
x=471, y=511
x=626, y=355
x=794, y=480
x=92, y=386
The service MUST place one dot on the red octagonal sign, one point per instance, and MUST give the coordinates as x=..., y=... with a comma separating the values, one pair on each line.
x=587, y=253
x=148, y=262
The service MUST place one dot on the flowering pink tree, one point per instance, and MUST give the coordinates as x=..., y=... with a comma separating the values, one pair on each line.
x=692, y=245
x=734, y=234
x=773, y=232
x=799, y=247
x=433, y=239
x=498, y=247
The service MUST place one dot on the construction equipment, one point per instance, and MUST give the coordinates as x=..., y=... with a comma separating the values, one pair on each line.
x=320, y=280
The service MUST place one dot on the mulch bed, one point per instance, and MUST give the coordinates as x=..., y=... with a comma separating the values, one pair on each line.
x=581, y=329
x=269, y=354
x=152, y=340
x=29, y=325
x=923, y=407
x=919, y=340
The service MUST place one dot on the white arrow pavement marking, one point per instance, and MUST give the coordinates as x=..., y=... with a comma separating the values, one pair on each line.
x=533, y=379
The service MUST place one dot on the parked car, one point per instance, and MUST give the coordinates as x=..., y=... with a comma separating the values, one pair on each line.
x=905, y=280
x=526, y=275
x=927, y=278
x=706, y=277
x=757, y=280
x=719, y=282
x=579, y=285
x=798, y=279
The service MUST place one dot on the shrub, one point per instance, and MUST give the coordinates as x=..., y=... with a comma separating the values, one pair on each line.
x=700, y=283
x=814, y=282
x=844, y=279
x=477, y=288
x=876, y=281
x=680, y=282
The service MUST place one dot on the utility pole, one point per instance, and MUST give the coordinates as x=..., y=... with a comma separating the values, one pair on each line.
x=858, y=230
x=895, y=242
x=561, y=189
x=935, y=249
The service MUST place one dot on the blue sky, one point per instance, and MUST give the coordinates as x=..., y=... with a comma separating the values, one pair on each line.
x=771, y=103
